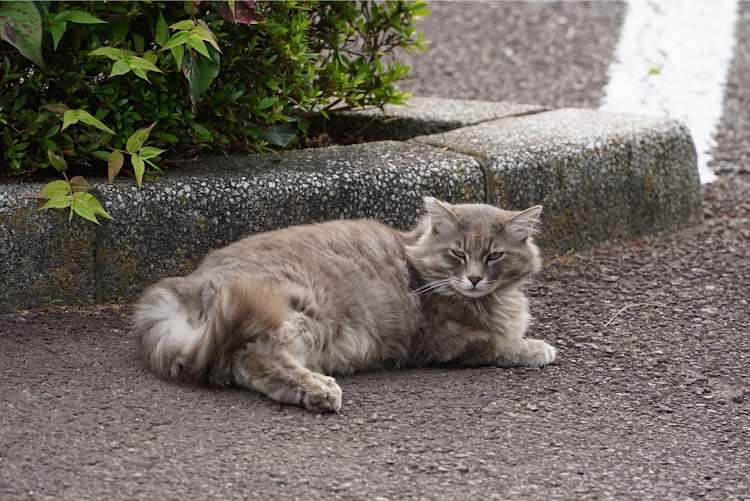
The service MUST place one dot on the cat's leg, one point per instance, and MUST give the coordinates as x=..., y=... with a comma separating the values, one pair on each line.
x=503, y=351
x=266, y=367
x=455, y=344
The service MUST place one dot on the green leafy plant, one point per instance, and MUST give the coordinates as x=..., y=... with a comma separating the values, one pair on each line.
x=207, y=76
x=73, y=193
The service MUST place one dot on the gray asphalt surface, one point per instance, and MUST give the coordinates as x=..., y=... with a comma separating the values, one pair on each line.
x=649, y=399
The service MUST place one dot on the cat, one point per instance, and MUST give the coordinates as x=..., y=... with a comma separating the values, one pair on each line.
x=278, y=312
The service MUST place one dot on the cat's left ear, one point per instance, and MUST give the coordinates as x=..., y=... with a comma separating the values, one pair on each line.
x=524, y=224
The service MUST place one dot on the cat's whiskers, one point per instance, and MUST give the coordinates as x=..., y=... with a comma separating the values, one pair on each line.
x=433, y=286
x=503, y=286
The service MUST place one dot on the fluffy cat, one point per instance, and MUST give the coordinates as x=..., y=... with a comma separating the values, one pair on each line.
x=276, y=312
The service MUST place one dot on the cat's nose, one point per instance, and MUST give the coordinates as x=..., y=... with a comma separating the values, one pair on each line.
x=474, y=280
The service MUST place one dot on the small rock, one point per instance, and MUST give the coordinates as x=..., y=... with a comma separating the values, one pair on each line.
x=532, y=407
x=738, y=399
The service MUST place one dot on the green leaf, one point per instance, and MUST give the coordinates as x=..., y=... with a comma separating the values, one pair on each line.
x=58, y=202
x=120, y=30
x=139, y=62
x=87, y=206
x=266, y=102
x=101, y=155
x=169, y=137
x=200, y=72
x=120, y=68
x=252, y=130
x=162, y=32
x=139, y=137
x=110, y=52
x=57, y=29
x=194, y=42
x=84, y=211
x=21, y=26
x=178, y=53
x=52, y=131
x=140, y=74
x=79, y=185
x=200, y=129
x=150, y=56
x=179, y=38
x=77, y=16
x=190, y=6
x=69, y=118
x=57, y=161
x=203, y=32
x=116, y=160
x=150, y=152
x=139, y=43
x=55, y=189
x=138, y=167
x=185, y=25
x=92, y=202
x=85, y=117
x=152, y=164
x=280, y=135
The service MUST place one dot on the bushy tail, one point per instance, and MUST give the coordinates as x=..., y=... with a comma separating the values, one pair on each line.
x=179, y=346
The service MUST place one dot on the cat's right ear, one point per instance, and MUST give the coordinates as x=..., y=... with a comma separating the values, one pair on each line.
x=442, y=218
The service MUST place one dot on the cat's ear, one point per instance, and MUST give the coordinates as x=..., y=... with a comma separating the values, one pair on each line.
x=442, y=218
x=524, y=224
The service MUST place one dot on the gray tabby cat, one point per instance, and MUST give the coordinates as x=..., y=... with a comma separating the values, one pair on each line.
x=277, y=311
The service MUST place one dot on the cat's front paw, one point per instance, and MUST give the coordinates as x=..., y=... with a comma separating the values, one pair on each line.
x=322, y=395
x=525, y=353
x=538, y=353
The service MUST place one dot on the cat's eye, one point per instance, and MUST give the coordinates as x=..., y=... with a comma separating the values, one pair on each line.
x=494, y=256
x=458, y=253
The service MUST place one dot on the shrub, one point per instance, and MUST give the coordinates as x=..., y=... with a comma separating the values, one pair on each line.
x=90, y=83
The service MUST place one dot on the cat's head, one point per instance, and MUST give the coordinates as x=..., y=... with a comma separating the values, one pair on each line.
x=473, y=250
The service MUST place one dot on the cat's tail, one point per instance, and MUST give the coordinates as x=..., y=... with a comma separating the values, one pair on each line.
x=180, y=345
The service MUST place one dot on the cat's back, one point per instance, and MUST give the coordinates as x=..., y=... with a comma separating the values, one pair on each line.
x=365, y=244
x=350, y=276
x=356, y=267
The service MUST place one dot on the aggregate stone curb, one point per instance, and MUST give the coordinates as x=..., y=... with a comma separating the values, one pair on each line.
x=423, y=115
x=43, y=255
x=600, y=177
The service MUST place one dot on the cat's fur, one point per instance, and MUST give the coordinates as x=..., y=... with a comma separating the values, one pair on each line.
x=278, y=311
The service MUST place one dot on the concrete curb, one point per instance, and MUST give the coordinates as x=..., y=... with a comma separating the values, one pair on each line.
x=600, y=177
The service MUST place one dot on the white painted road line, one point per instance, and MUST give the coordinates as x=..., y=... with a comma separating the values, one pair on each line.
x=672, y=60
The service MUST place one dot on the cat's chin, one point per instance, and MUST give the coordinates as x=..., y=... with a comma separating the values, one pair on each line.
x=474, y=293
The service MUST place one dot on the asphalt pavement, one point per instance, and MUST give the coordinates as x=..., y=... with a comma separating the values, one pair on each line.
x=649, y=397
